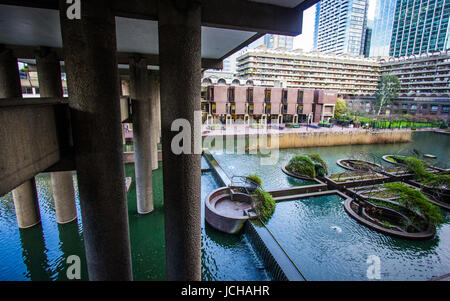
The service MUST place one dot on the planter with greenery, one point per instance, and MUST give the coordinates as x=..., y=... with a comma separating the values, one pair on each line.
x=307, y=166
x=263, y=204
x=397, y=209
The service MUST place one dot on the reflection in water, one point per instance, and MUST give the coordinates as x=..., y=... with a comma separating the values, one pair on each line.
x=34, y=253
x=71, y=243
x=328, y=254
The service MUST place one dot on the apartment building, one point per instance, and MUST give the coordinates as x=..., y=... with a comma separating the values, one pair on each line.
x=237, y=102
x=347, y=75
x=340, y=26
x=426, y=75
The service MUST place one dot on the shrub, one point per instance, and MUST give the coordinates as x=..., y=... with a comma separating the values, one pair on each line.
x=416, y=201
x=302, y=165
x=264, y=204
x=255, y=178
x=417, y=167
x=320, y=166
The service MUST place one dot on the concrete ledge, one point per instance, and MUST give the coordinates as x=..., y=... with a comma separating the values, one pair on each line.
x=29, y=143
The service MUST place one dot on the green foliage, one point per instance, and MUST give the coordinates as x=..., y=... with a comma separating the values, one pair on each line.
x=417, y=167
x=320, y=165
x=310, y=165
x=387, y=90
x=416, y=201
x=340, y=109
x=264, y=204
x=302, y=165
x=255, y=178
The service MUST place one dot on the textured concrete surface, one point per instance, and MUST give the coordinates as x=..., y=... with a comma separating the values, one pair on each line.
x=142, y=133
x=93, y=84
x=49, y=76
x=180, y=71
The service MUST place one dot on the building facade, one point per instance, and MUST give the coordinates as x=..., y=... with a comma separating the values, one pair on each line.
x=426, y=75
x=274, y=41
x=341, y=26
x=294, y=69
x=420, y=26
x=382, y=27
x=237, y=102
x=424, y=86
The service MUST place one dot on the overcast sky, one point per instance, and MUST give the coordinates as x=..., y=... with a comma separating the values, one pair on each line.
x=305, y=40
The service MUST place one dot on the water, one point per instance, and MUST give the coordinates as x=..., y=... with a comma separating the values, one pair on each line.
x=40, y=253
x=326, y=244
x=329, y=245
x=227, y=256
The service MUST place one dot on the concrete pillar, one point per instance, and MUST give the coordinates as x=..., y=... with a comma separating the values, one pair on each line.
x=26, y=204
x=155, y=117
x=179, y=29
x=93, y=82
x=50, y=85
x=24, y=196
x=64, y=196
x=142, y=134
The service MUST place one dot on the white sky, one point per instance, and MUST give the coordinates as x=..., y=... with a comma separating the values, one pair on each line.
x=305, y=40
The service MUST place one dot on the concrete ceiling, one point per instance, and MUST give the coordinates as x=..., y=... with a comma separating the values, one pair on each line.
x=26, y=26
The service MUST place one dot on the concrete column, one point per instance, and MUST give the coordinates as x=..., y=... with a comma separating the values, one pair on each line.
x=64, y=196
x=142, y=134
x=24, y=196
x=50, y=85
x=93, y=82
x=179, y=29
x=26, y=204
x=155, y=118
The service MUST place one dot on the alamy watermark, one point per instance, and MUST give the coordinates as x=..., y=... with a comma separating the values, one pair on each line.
x=231, y=139
x=374, y=270
x=74, y=267
x=73, y=10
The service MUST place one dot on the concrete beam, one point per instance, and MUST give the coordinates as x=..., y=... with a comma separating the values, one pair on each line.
x=230, y=14
x=123, y=58
x=29, y=141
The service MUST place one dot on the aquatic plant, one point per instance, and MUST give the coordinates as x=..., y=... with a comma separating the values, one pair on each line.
x=418, y=168
x=302, y=165
x=320, y=166
x=255, y=178
x=415, y=200
x=264, y=204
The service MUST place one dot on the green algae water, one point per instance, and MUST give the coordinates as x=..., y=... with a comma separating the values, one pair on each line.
x=304, y=227
x=40, y=253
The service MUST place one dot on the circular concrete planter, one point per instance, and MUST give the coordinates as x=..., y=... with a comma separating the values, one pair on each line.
x=283, y=168
x=347, y=164
x=228, y=215
x=370, y=222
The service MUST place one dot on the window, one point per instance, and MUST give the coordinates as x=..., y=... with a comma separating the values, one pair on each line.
x=231, y=94
x=267, y=94
x=300, y=97
x=284, y=95
x=250, y=95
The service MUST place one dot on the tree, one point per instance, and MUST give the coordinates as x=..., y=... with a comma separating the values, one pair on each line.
x=340, y=109
x=387, y=90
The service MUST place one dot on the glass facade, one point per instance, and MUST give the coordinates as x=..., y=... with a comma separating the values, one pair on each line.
x=274, y=41
x=420, y=26
x=341, y=26
x=382, y=28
